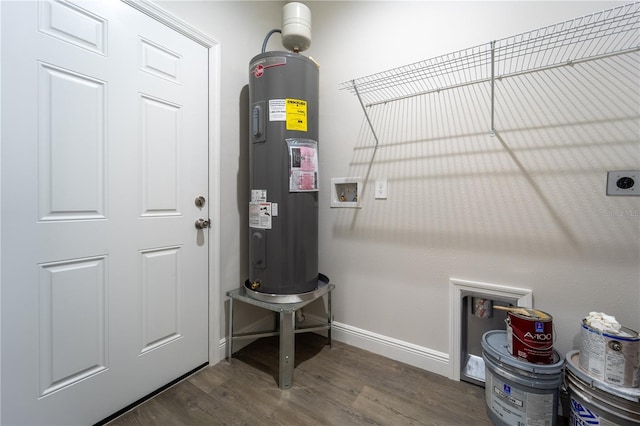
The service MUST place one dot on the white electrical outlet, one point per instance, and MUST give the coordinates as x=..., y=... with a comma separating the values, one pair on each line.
x=623, y=182
x=381, y=189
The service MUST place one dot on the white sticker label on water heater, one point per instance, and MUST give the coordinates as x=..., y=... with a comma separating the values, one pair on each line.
x=260, y=215
x=258, y=195
x=277, y=110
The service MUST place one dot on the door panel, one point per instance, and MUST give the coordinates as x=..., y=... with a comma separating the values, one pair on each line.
x=72, y=158
x=160, y=125
x=160, y=304
x=104, y=150
x=73, y=326
x=74, y=25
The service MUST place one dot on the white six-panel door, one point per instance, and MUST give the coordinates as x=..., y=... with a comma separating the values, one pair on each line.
x=104, y=150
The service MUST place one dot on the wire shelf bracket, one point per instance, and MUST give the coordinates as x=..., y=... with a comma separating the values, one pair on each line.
x=602, y=34
x=373, y=131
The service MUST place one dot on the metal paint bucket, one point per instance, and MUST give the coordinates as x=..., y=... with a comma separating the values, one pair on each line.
x=518, y=392
x=612, y=358
x=594, y=402
x=530, y=337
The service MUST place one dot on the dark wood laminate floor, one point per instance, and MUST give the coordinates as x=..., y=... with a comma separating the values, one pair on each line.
x=342, y=385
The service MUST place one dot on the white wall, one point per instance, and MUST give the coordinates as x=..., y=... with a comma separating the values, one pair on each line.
x=459, y=205
x=526, y=209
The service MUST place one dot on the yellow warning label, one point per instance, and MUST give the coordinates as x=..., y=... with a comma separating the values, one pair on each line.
x=296, y=115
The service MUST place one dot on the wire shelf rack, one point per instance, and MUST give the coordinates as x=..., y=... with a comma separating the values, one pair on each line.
x=610, y=32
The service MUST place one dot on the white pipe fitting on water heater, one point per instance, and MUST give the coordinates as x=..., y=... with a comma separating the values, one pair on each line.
x=296, y=26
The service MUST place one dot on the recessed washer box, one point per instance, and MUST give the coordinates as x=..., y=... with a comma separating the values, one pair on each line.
x=623, y=182
x=346, y=192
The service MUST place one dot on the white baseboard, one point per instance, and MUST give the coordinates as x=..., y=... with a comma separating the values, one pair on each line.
x=397, y=350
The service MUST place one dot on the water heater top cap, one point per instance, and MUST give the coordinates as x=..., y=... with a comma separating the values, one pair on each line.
x=296, y=26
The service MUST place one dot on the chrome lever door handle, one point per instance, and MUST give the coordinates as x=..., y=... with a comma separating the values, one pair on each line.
x=203, y=224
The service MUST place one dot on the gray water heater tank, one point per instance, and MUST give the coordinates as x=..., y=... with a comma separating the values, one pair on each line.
x=283, y=156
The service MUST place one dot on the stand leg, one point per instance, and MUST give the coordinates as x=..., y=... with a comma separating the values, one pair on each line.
x=330, y=319
x=230, y=338
x=287, y=349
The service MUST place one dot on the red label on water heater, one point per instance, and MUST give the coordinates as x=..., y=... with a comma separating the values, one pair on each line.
x=261, y=65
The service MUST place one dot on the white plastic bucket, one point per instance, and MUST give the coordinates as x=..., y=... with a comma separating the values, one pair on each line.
x=519, y=392
x=612, y=358
x=594, y=402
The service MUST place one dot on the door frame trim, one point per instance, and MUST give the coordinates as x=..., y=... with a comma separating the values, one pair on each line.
x=213, y=48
